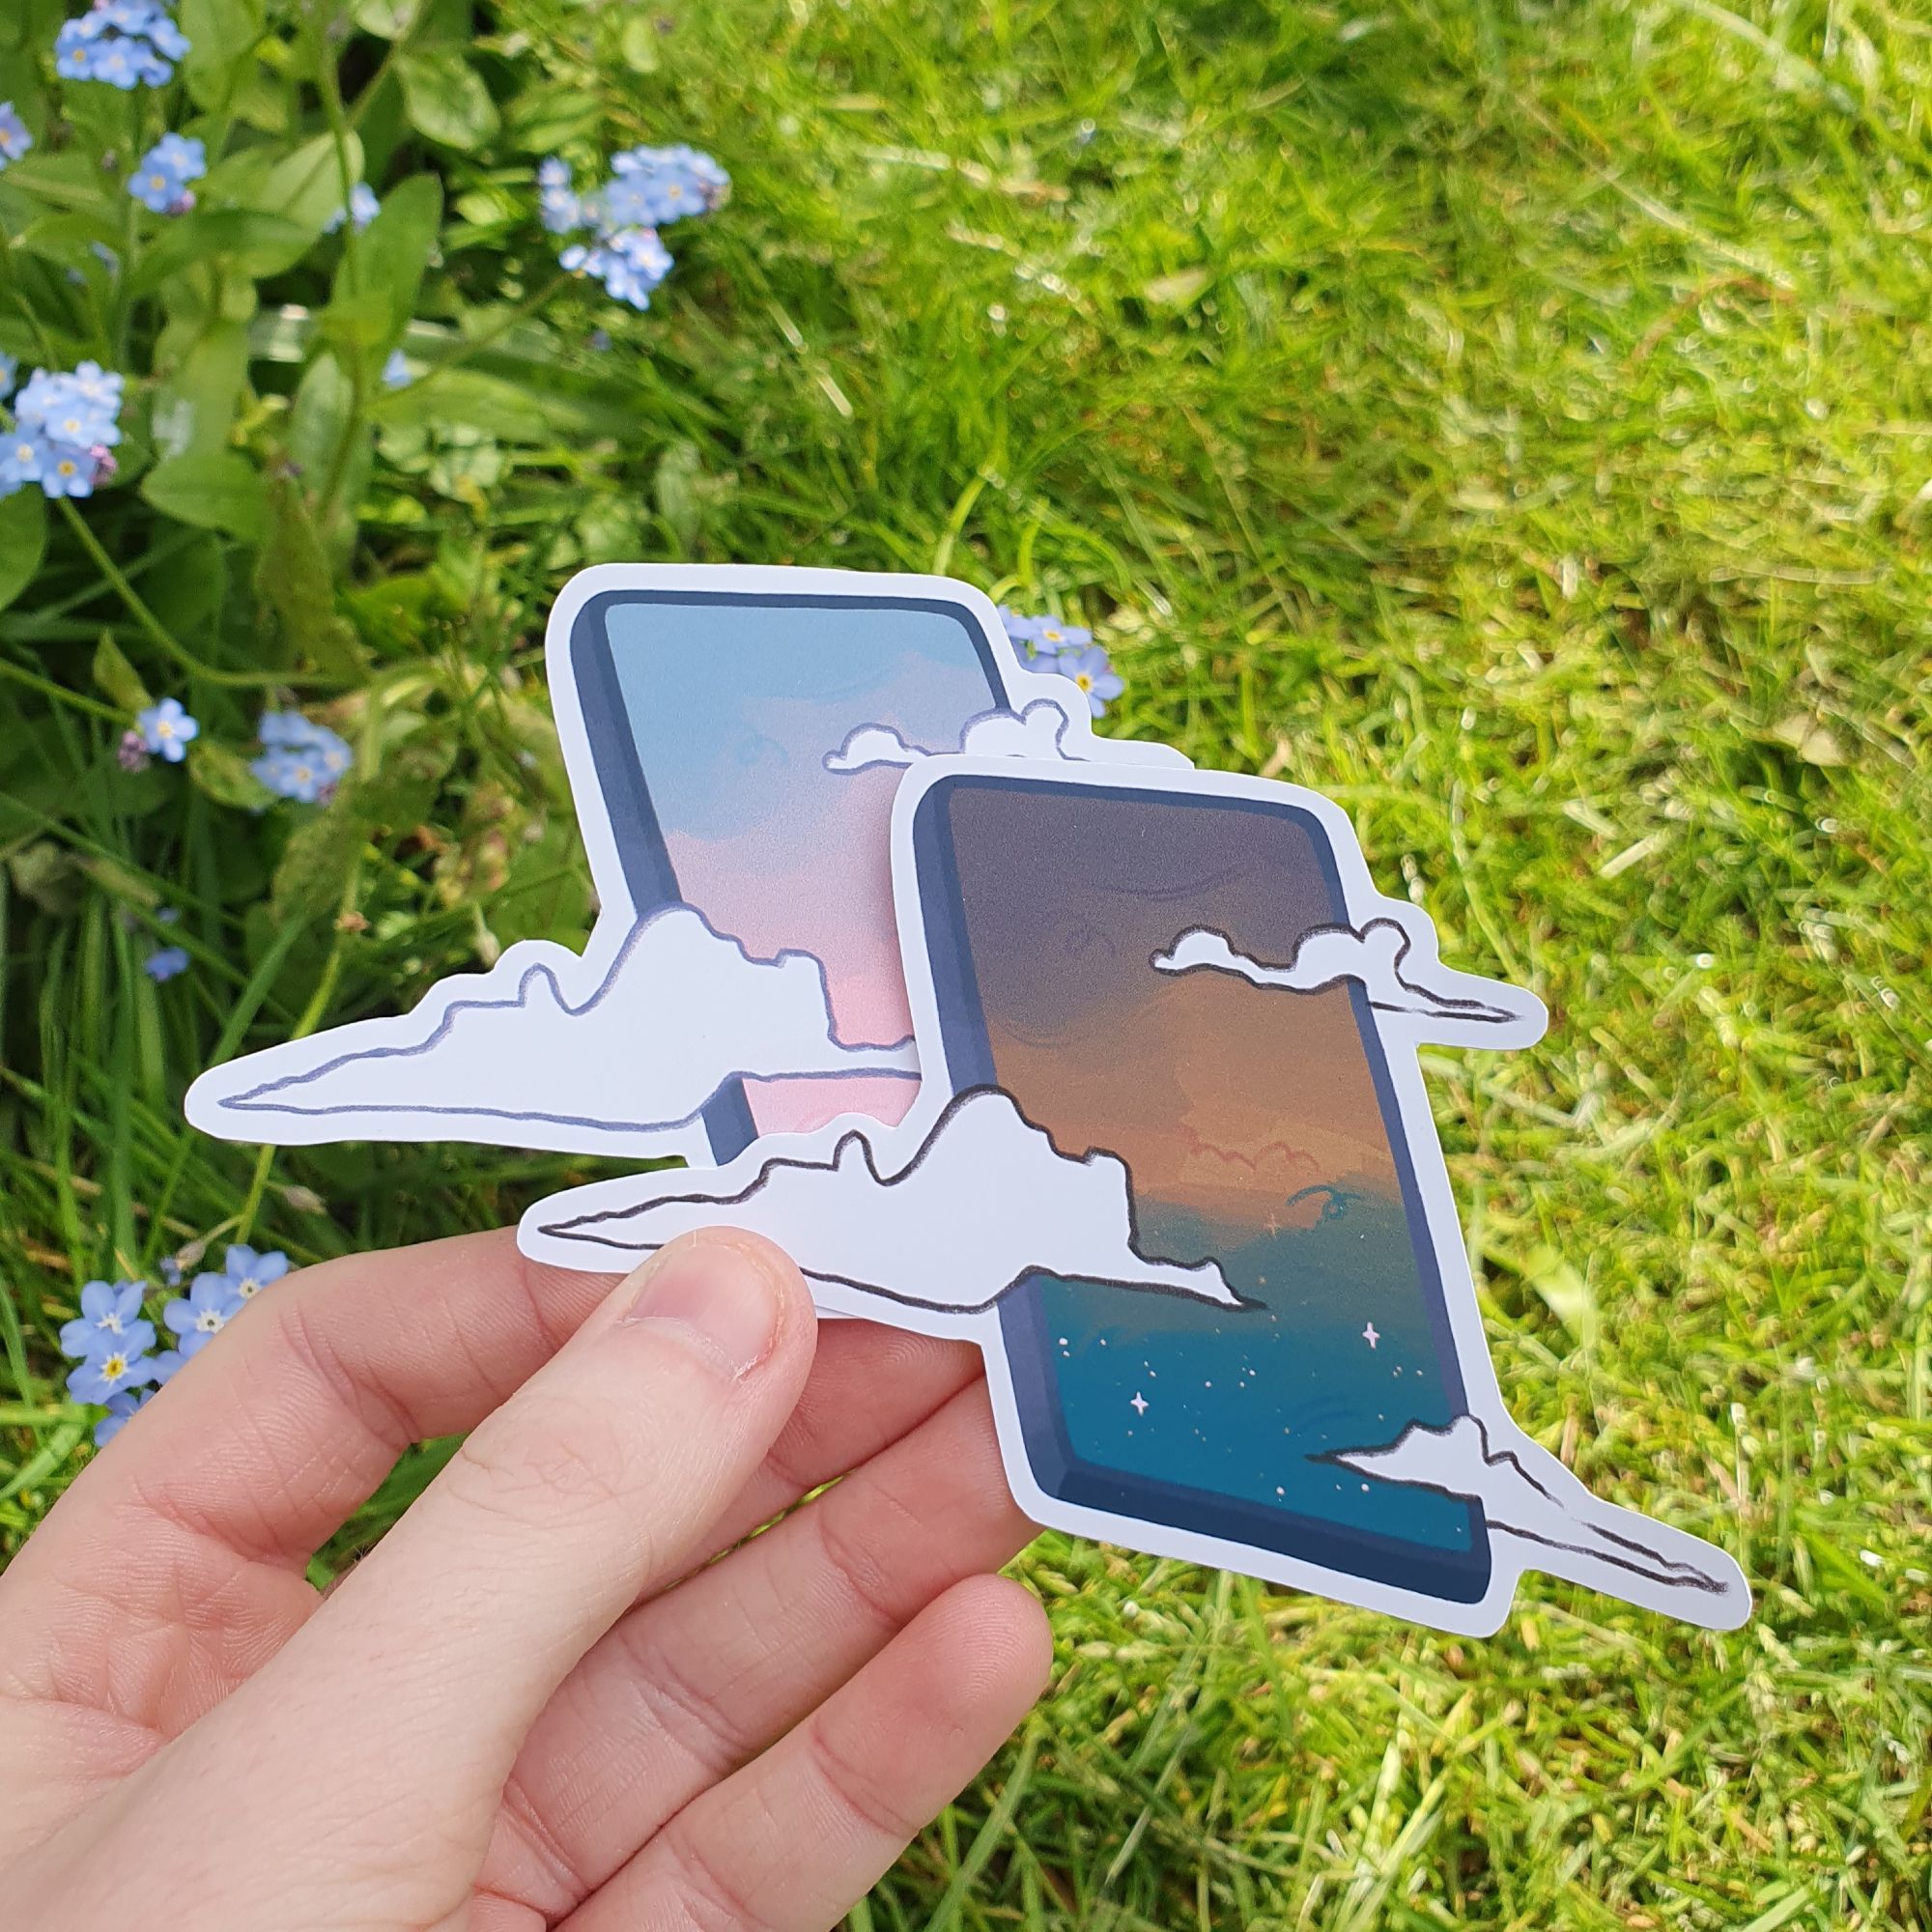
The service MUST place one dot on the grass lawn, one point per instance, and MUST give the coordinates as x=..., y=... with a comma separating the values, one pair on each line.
x=1516, y=422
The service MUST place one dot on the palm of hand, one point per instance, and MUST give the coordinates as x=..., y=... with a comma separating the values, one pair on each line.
x=536, y=1703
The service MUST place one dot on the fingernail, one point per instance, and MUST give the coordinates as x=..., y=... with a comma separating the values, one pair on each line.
x=718, y=1297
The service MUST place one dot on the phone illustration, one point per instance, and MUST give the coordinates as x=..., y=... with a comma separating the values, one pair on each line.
x=1173, y=1167
x=1265, y=1133
x=706, y=714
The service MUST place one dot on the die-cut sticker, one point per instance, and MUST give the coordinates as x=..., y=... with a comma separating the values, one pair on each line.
x=741, y=975
x=1269, y=1356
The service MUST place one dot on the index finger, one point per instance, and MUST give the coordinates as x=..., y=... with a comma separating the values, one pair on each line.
x=268, y=1440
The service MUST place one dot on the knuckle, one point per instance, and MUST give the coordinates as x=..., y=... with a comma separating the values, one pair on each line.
x=707, y=1898
x=551, y=1464
x=874, y=1806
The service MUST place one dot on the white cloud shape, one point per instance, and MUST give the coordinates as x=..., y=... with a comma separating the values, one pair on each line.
x=1039, y=731
x=682, y=1009
x=987, y=1200
x=1378, y=957
x=1577, y=1535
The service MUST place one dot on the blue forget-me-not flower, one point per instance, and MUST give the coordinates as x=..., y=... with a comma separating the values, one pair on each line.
x=166, y=729
x=648, y=188
x=1044, y=636
x=127, y=43
x=202, y=1312
x=63, y=431
x=15, y=139
x=362, y=209
x=110, y=1316
x=122, y=1409
x=303, y=761
x=162, y=179
x=1094, y=674
x=109, y=1370
x=166, y=964
x=249, y=1272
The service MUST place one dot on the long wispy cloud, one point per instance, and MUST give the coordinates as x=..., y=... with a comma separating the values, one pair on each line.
x=1529, y=1496
x=636, y=1050
x=1384, y=957
x=984, y=1200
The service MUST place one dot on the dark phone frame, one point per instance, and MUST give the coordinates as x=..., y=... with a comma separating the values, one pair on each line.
x=1059, y=1470
x=649, y=876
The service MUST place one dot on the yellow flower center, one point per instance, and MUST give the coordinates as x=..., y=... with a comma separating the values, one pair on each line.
x=113, y=1367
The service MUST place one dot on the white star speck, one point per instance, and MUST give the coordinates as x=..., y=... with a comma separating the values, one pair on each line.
x=1369, y=1336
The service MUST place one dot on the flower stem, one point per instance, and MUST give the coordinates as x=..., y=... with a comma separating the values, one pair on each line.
x=158, y=631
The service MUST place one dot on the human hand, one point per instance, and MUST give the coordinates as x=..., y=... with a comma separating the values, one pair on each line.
x=534, y=1703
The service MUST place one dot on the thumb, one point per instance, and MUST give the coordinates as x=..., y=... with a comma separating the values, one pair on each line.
x=411, y=1689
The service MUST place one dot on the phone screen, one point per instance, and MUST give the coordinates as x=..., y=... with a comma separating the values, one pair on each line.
x=710, y=716
x=1259, y=1128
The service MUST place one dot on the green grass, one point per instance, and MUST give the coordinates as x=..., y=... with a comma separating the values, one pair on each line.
x=1516, y=423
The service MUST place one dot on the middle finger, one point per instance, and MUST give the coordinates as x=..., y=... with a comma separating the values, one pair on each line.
x=689, y=1686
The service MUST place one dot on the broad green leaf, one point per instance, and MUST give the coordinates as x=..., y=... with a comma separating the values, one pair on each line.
x=305, y=188
x=675, y=483
x=541, y=119
x=221, y=38
x=296, y=582
x=70, y=240
x=638, y=42
x=223, y=774
x=446, y=99
x=194, y=409
x=357, y=320
x=489, y=404
x=24, y=542
x=388, y=20
x=324, y=414
x=257, y=242
x=61, y=178
x=316, y=863
x=219, y=491
x=393, y=253
x=118, y=678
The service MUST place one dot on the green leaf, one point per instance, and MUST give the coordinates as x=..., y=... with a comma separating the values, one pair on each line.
x=24, y=542
x=118, y=678
x=325, y=409
x=194, y=409
x=486, y=404
x=541, y=119
x=304, y=188
x=393, y=255
x=316, y=863
x=1565, y=1293
x=70, y=240
x=678, y=469
x=387, y=20
x=221, y=36
x=295, y=583
x=257, y=242
x=446, y=99
x=637, y=44
x=219, y=490
x=223, y=774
